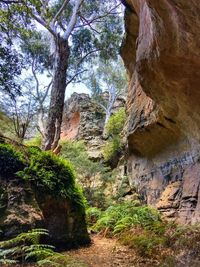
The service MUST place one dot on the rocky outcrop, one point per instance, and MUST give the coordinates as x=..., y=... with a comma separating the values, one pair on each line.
x=161, y=53
x=27, y=204
x=83, y=119
x=64, y=221
x=19, y=211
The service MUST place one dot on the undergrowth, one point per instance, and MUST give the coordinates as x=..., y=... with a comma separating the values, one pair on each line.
x=120, y=217
x=114, y=128
x=25, y=248
x=141, y=228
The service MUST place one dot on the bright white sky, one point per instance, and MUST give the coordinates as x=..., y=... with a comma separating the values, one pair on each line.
x=78, y=88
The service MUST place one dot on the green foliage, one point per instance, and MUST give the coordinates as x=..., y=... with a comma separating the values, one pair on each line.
x=36, y=48
x=144, y=243
x=121, y=217
x=26, y=248
x=116, y=123
x=11, y=160
x=10, y=67
x=53, y=175
x=76, y=153
x=93, y=214
x=111, y=148
x=35, y=141
x=113, y=129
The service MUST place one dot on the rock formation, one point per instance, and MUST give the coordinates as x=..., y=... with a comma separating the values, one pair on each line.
x=161, y=52
x=83, y=119
x=26, y=205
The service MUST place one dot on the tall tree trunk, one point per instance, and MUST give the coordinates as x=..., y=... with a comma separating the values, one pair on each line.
x=54, y=121
x=40, y=121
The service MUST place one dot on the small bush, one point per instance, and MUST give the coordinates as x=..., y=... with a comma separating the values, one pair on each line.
x=113, y=129
x=53, y=175
x=111, y=148
x=92, y=215
x=76, y=153
x=116, y=122
x=11, y=160
x=144, y=243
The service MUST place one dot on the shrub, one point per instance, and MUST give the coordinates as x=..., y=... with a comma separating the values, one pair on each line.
x=113, y=129
x=53, y=175
x=116, y=122
x=11, y=160
x=111, y=148
x=35, y=141
x=92, y=215
x=144, y=243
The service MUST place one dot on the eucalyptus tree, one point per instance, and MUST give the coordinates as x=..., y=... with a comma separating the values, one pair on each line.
x=108, y=82
x=82, y=27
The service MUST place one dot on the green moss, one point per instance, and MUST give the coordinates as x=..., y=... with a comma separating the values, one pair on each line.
x=11, y=160
x=35, y=141
x=53, y=175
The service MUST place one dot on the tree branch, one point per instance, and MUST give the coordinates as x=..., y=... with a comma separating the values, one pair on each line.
x=95, y=19
x=43, y=23
x=74, y=76
x=86, y=55
x=52, y=24
x=73, y=19
x=47, y=91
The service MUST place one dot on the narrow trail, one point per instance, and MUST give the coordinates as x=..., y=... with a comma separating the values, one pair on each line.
x=106, y=252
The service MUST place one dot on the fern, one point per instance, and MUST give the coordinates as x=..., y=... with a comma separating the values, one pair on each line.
x=121, y=217
x=25, y=247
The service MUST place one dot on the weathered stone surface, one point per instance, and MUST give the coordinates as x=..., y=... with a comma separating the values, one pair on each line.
x=162, y=54
x=83, y=119
x=19, y=211
x=64, y=220
x=89, y=128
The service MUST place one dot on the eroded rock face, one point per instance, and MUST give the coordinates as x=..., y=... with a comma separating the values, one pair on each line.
x=64, y=220
x=19, y=211
x=162, y=54
x=84, y=120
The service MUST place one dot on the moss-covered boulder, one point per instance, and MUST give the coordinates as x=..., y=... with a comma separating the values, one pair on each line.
x=19, y=210
x=38, y=189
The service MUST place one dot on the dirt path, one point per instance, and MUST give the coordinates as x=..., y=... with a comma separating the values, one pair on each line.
x=105, y=252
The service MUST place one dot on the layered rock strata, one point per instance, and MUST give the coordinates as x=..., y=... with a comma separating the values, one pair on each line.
x=162, y=55
x=84, y=119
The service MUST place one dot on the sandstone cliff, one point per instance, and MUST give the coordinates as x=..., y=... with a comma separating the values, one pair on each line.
x=161, y=52
x=83, y=119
